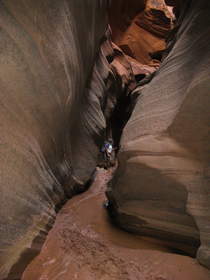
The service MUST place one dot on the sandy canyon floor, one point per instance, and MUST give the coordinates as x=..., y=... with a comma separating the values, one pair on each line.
x=84, y=245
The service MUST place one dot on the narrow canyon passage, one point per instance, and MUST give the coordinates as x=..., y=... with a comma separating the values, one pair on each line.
x=104, y=146
x=84, y=243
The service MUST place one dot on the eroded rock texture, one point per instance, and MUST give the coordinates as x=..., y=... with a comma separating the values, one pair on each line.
x=62, y=96
x=50, y=134
x=140, y=29
x=57, y=107
x=162, y=185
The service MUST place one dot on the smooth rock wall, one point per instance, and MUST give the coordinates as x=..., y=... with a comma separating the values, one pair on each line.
x=162, y=185
x=47, y=53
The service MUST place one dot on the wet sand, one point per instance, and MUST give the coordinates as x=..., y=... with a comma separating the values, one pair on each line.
x=84, y=245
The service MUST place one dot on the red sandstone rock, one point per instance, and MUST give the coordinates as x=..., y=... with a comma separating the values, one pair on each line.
x=122, y=12
x=143, y=32
x=154, y=21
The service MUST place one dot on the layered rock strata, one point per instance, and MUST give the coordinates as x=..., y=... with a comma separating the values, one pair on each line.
x=162, y=185
x=142, y=29
x=57, y=107
x=48, y=49
x=62, y=96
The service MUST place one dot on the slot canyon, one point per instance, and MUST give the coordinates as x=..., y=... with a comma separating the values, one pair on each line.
x=76, y=76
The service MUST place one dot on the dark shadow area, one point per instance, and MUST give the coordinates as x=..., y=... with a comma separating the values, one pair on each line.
x=29, y=254
x=154, y=194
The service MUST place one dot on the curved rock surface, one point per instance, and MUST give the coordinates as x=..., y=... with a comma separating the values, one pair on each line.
x=140, y=29
x=57, y=107
x=48, y=143
x=162, y=185
x=155, y=21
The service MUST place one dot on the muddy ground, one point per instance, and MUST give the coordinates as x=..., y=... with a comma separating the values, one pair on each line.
x=84, y=245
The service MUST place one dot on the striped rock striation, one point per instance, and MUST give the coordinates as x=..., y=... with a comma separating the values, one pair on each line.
x=62, y=95
x=50, y=134
x=64, y=86
x=162, y=185
x=141, y=28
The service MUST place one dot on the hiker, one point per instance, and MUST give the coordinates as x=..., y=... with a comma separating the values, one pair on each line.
x=107, y=149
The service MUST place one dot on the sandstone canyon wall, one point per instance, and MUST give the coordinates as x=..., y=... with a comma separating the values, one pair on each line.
x=162, y=185
x=49, y=143
x=61, y=96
